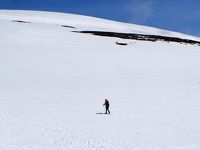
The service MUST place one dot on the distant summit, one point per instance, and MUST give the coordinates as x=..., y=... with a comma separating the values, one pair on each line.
x=86, y=23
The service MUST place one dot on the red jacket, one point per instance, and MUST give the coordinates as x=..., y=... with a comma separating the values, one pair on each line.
x=106, y=103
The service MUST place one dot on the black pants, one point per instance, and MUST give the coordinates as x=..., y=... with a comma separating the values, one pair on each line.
x=107, y=110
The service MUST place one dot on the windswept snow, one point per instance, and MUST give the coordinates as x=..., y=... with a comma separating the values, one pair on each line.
x=53, y=83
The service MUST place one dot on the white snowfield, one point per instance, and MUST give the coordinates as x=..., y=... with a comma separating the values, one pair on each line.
x=86, y=23
x=53, y=83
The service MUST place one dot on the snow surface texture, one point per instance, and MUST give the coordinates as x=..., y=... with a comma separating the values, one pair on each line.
x=53, y=83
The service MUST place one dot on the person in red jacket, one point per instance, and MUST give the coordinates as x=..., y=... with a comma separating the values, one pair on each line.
x=106, y=104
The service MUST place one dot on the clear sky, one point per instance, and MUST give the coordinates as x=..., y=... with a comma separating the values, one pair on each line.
x=176, y=15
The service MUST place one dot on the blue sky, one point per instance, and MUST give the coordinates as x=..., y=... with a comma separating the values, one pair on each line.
x=176, y=15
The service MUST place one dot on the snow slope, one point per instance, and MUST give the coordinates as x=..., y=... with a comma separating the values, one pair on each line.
x=53, y=83
x=86, y=23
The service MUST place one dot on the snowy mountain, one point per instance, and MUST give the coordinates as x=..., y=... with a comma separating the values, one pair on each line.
x=57, y=69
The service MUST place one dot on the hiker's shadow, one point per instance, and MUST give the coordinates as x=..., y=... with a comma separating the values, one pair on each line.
x=100, y=113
